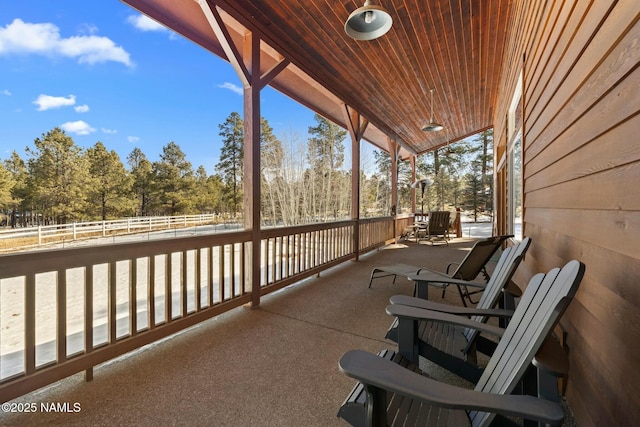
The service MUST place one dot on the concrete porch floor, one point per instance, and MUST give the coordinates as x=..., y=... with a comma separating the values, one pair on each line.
x=276, y=365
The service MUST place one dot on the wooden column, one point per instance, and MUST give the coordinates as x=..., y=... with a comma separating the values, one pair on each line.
x=251, y=185
x=356, y=125
x=247, y=65
x=394, y=149
x=412, y=160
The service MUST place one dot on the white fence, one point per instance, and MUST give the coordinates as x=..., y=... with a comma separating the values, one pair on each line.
x=80, y=230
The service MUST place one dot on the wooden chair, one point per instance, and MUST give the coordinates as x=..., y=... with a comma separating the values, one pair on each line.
x=437, y=228
x=471, y=266
x=392, y=390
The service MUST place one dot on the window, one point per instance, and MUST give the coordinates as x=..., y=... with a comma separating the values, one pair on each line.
x=515, y=186
x=514, y=159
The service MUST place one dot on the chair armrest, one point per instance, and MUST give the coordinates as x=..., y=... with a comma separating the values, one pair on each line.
x=551, y=358
x=446, y=308
x=384, y=374
x=512, y=289
x=449, y=266
x=414, y=313
x=428, y=276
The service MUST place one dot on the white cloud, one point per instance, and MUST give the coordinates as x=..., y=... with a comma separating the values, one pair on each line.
x=233, y=88
x=80, y=127
x=81, y=108
x=144, y=23
x=47, y=102
x=21, y=37
x=133, y=139
x=5, y=92
x=88, y=29
x=109, y=131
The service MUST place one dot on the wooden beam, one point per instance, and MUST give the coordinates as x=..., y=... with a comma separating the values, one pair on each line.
x=356, y=124
x=212, y=14
x=273, y=72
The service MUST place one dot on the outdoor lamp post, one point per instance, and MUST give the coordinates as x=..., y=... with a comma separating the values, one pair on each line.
x=422, y=184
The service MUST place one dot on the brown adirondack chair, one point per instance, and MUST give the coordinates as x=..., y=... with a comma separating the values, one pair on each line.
x=437, y=228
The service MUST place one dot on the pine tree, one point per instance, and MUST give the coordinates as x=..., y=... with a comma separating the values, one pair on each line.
x=473, y=196
x=142, y=180
x=109, y=183
x=207, y=192
x=382, y=181
x=58, y=177
x=485, y=157
x=173, y=181
x=19, y=195
x=230, y=167
x=326, y=157
x=7, y=183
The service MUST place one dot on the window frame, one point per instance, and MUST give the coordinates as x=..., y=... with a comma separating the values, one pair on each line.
x=515, y=192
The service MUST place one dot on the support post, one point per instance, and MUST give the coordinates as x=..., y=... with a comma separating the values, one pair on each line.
x=251, y=185
x=247, y=65
x=394, y=150
x=412, y=160
x=356, y=125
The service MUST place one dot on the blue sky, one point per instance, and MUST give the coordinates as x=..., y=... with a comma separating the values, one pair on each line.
x=102, y=72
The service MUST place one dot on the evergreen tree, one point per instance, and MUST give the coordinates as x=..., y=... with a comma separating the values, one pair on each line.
x=382, y=181
x=58, y=177
x=473, y=194
x=214, y=190
x=207, y=192
x=109, y=184
x=449, y=167
x=7, y=183
x=404, y=187
x=485, y=158
x=230, y=167
x=326, y=157
x=19, y=195
x=173, y=181
x=142, y=180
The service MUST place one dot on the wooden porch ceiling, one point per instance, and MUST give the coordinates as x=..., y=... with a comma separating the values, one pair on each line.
x=452, y=46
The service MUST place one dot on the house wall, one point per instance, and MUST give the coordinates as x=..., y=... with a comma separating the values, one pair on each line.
x=581, y=158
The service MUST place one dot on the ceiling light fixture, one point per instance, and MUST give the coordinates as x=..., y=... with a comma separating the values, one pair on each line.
x=432, y=126
x=368, y=22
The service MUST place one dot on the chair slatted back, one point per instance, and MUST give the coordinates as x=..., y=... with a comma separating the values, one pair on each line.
x=541, y=306
x=504, y=271
x=438, y=223
x=478, y=257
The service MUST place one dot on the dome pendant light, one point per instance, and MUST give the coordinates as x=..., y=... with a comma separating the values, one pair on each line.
x=368, y=22
x=432, y=126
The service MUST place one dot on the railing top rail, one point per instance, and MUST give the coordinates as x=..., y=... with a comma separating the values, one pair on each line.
x=305, y=228
x=36, y=262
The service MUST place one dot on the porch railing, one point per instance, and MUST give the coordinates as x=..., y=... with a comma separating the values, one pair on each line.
x=69, y=310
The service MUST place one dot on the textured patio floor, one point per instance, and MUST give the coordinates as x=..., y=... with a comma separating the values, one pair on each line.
x=276, y=365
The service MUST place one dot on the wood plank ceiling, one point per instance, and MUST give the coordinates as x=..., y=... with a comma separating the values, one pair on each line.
x=452, y=46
